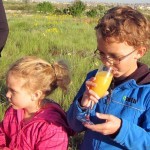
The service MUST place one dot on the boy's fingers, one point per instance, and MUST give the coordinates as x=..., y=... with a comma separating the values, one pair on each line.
x=93, y=93
x=90, y=84
x=106, y=93
x=103, y=116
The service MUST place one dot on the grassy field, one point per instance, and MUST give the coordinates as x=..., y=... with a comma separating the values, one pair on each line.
x=53, y=38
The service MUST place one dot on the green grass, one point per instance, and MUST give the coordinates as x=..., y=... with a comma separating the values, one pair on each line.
x=52, y=38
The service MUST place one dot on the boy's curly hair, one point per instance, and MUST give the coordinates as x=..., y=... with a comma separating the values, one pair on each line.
x=124, y=24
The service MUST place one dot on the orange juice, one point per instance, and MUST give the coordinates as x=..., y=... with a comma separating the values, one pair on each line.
x=103, y=80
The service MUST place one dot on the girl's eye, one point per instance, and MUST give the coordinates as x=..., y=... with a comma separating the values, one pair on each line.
x=11, y=90
x=101, y=54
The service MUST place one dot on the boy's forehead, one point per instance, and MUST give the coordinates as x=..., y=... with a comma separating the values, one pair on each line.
x=108, y=40
x=113, y=46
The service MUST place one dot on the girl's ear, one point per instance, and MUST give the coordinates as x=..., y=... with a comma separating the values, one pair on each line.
x=36, y=95
x=140, y=52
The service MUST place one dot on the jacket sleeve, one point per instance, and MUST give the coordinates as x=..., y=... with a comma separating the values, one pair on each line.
x=72, y=113
x=74, y=109
x=133, y=136
x=3, y=26
x=2, y=136
x=4, y=130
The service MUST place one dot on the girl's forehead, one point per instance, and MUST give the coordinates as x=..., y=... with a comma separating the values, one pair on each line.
x=13, y=78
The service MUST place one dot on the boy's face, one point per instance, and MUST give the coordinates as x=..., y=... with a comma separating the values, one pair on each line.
x=123, y=57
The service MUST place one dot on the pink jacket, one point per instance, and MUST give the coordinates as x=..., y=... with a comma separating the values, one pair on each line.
x=47, y=130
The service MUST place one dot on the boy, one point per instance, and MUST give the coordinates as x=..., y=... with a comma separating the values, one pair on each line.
x=122, y=117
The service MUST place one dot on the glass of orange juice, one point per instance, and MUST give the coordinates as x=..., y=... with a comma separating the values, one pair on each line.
x=103, y=80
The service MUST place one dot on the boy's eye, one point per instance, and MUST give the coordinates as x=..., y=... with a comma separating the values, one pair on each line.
x=114, y=56
x=109, y=56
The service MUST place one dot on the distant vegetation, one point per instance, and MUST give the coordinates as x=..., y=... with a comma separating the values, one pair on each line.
x=77, y=8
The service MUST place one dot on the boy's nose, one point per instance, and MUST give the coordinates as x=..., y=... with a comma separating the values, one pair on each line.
x=107, y=64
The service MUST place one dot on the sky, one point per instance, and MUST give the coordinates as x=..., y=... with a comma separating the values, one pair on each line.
x=110, y=1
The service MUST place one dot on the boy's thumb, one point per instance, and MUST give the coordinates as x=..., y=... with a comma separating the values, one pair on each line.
x=102, y=116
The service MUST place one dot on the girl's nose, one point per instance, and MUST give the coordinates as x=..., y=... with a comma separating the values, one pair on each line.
x=8, y=95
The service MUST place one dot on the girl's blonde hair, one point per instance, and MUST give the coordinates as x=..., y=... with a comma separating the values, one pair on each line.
x=124, y=24
x=41, y=75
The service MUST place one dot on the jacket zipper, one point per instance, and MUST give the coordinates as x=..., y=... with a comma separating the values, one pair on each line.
x=108, y=100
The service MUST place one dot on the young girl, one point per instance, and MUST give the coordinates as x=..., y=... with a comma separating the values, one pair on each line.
x=33, y=122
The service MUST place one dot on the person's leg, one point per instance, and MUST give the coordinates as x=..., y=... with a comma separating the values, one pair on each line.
x=3, y=26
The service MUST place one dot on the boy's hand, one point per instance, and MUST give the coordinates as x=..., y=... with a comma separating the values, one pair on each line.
x=90, y=95
x=111, y=125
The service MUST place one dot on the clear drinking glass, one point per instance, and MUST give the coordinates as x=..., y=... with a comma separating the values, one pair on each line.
x=103, y=80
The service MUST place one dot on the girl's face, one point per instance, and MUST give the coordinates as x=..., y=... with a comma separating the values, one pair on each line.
x=124, y=54
x=18, y=96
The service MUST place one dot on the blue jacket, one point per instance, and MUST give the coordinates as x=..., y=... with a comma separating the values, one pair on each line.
x=129, y=102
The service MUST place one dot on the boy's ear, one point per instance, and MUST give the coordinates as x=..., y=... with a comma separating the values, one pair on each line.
x=140, y=52
x=36, y=95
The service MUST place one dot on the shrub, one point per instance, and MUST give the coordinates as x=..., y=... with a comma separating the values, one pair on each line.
x=92, y=13
x=101, y=8
x=77, y=8
x=66, y=11
x=45, y=7
x=58, y=11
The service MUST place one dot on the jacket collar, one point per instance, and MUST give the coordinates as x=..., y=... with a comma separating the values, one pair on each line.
x=141, y=75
